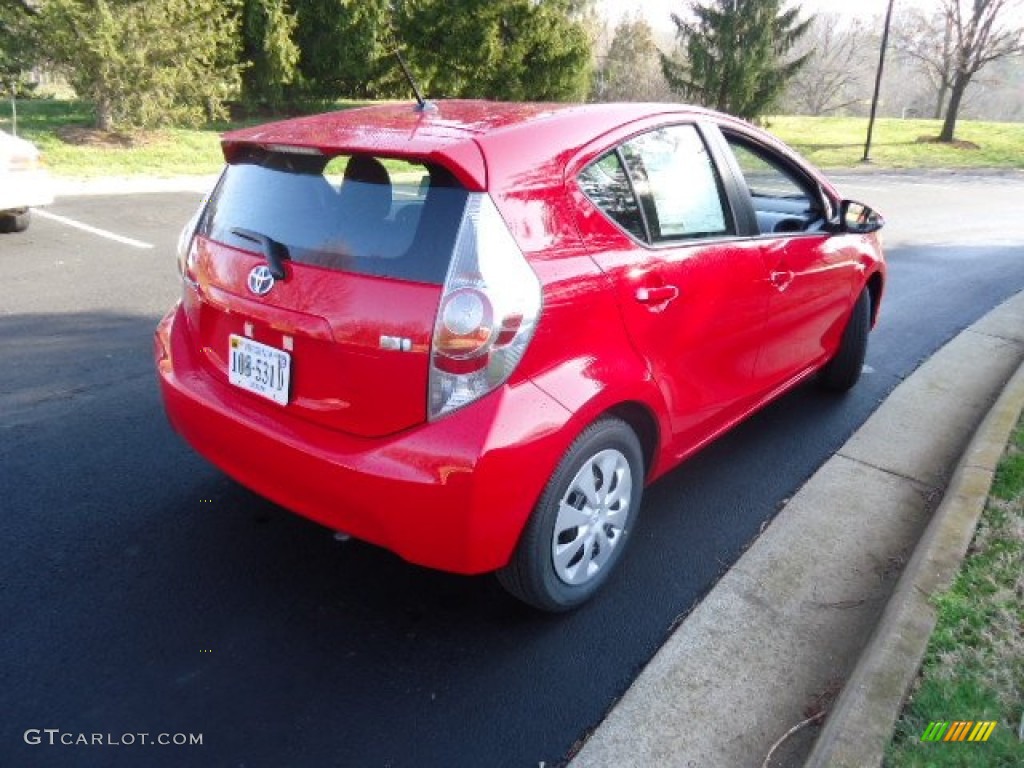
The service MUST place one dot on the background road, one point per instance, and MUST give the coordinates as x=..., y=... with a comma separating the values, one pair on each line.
x=143, y=592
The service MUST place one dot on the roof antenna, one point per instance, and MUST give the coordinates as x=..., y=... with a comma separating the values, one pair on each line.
x=422, y=105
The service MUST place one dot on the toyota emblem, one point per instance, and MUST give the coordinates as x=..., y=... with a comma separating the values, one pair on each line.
x=261, y=280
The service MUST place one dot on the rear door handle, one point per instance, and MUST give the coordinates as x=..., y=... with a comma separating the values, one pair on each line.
x=663, y=294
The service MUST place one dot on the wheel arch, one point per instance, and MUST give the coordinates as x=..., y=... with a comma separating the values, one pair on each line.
x=644, y=425
x=626, y=391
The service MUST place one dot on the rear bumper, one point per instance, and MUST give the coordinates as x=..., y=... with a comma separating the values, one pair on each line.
x=452, y=495
x=25, y=189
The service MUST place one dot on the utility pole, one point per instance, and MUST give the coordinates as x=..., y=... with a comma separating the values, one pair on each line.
x=878, y=83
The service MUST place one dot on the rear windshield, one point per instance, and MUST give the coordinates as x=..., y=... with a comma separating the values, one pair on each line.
x=354, y=213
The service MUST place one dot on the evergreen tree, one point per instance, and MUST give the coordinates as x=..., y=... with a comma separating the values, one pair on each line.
x=498, y=49
x=17, y=50
x=270, y=54
x=346, y=47
x=632, y=69
x=735, y=54
x=145, y=64
x=548, y=51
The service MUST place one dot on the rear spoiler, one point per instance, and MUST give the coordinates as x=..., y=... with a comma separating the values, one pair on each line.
x=461, y=155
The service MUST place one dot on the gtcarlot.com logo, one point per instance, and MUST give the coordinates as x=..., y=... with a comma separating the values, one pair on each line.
x=56, y=737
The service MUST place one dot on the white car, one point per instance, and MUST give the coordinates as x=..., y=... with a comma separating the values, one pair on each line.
x=24, y=183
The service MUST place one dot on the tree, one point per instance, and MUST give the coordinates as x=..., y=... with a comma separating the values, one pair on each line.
x=550, y=49
x=346, y=47
x=17, y=46
x=927, y=39
x=997, y=96
x=145, y=64
x=978, y=39
x=734, y=54
x=830, y=81
x=269, y=52
x=498, y=49
x=632, y=68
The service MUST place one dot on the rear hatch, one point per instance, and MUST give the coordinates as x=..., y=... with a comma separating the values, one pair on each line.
x=361, y=246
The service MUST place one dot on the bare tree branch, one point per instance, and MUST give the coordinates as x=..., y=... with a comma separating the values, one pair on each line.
x=828, y=83
x=980, y=37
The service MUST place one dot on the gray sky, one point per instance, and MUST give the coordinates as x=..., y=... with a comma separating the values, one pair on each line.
x=657, y=11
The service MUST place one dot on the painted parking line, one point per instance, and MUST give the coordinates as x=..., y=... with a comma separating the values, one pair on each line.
x=92, y=230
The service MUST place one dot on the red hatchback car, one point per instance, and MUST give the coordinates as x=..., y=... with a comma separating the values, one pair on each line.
x=472, y=333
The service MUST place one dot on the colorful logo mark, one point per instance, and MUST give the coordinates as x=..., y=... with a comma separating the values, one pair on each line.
x=958, y=730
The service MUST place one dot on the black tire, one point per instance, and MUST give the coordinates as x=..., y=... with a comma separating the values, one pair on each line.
x=843, y=370
x=607, y=447
x=15, y=221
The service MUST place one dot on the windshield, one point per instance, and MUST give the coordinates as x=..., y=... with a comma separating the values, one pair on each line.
x=354, y=213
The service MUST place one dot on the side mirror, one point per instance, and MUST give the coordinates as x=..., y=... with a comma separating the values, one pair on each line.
x=858, y=218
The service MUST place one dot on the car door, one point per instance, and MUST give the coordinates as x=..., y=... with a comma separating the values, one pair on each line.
x=692, y=294
x=808, y=268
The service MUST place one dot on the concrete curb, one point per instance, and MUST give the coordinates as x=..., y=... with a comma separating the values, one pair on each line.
x=861, y=723
x=787, y=626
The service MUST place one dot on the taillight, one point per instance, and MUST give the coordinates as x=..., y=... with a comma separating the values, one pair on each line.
x=488, y=311
x=187, y=249
x=464, y=331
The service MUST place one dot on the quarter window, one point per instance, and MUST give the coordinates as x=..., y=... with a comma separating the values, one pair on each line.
x=605, y=182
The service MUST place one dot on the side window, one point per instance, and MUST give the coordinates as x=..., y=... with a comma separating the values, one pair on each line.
x=677, y=184
x=765, y=178
x=784, y=202
x=604, y=181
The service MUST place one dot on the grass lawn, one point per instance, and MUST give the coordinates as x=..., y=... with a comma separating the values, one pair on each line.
x=837, y=142
x=62, y=131
x=973, y=669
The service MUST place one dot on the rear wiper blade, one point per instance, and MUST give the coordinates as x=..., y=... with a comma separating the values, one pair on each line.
x=274, y=251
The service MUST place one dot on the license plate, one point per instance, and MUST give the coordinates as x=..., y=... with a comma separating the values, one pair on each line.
x=258, y=368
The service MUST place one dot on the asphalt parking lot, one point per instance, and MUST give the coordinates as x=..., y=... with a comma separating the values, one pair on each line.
x=144, y=592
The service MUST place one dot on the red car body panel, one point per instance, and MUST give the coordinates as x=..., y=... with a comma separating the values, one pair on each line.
x=324, y=320
x=453, y=495
x=813, y=283
x=743, y=318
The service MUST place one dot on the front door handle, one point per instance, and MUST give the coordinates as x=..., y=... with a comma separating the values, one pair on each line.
x=663, y=294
